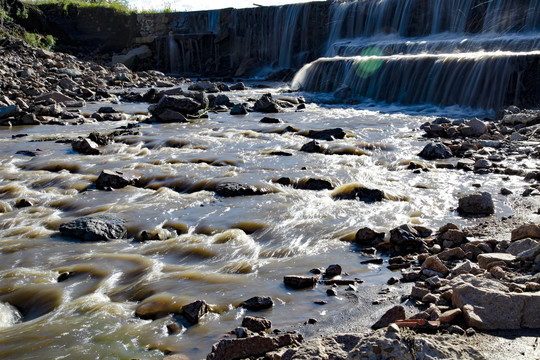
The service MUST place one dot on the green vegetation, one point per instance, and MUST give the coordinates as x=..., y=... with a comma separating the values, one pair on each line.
x=37, y=40
x=4, y=14
x=22, y=14
x=118, y=5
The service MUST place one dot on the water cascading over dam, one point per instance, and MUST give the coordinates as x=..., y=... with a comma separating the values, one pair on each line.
x=447, y=52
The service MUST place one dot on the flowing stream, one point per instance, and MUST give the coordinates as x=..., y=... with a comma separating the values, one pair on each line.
x=222, y=250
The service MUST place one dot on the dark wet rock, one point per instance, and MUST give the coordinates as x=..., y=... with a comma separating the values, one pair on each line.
x=332, y=271
x=267, y=104
x=257, y=345
x=205, y=86
x=257, y=303
x=316, y=185
x=390, y=316
x=285, y=181
x=393, y=280
x=107, y=110
x=22, y=203
x=85, y=146
x=360, y=193
x=182, y=104
x=368, y=237
x=256, y=324
x=239, y=109
x=238, y=86
x=377, y=261
x=329, y=134
x=169, y=116
x=27, y=152
x=331, y=292
x=313, y=147
x=221, y=100
x=270, y=120
x=506, y=192
x=476, y=204
x=280, y=153
x=236, y=189
x=195, y=311
x=433, y=151
x=406, y=240
x=300, y=281
x=116, y=179
x=95, y=228
x=99, y=139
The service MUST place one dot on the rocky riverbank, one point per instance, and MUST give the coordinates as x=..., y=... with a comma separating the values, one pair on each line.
x=455, y=283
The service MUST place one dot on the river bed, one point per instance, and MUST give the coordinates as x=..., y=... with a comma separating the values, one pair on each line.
x=221, y=250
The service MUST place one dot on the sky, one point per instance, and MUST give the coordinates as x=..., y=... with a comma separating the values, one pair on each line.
x=195, y=5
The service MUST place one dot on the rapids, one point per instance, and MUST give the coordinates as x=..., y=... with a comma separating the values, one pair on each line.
x=222, y=250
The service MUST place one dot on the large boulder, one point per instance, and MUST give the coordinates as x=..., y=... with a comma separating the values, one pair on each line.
x=487, y=304
x=479, y=203
x=95, y=228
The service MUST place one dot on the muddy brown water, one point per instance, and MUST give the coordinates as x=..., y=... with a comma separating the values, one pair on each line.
x=222, y=250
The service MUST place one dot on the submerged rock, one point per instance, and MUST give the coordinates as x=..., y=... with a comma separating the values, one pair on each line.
x=359, y=193
x=95, y=228
x=236, y=189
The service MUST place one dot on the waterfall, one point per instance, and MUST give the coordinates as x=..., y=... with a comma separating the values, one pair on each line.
x=213, y=21
x=174, y=56
x=466, y=52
